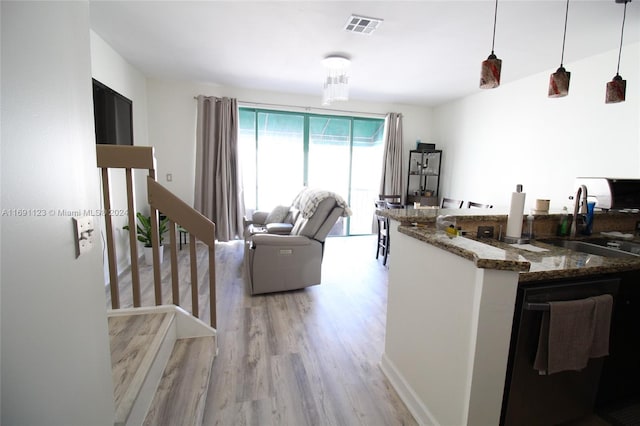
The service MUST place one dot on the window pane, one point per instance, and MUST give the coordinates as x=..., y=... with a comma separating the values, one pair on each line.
x=247, y=156
x=343, y=154
x=280, y=164
x=366, y=168
x=329, y=159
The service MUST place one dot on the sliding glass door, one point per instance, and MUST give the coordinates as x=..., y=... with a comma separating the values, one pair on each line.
x=283, y=151
x=366, y=169
x=329, y=159
x=272, y=157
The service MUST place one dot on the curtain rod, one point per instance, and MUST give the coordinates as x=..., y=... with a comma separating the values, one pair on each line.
x=308, y=108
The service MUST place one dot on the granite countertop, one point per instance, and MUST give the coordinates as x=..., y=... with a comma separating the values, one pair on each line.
x=554, y=262
x=428, y=215
x=410, y=215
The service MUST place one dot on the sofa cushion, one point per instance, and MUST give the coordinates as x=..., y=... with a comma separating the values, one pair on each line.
x=277, y=215
x=292, y=216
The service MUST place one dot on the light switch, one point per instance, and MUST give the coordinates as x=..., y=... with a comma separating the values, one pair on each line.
x=83, y=230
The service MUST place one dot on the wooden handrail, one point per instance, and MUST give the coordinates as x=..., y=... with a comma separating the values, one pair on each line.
x=198, y=226
x=178, y=212
x=125, y=157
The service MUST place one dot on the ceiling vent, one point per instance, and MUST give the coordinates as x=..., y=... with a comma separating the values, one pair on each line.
x=362, y=24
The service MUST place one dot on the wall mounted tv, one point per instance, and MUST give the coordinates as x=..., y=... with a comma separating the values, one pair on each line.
x=112, y=115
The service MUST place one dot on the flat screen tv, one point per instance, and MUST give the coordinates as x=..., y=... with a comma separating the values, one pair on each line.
x=112, y=114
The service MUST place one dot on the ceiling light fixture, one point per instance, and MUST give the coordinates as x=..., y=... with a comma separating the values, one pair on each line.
x=559, y=80
x=617, y=88
x=491, y=67
x=336, y=83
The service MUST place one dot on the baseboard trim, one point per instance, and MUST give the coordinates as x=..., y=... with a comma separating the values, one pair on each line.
x=420, y=412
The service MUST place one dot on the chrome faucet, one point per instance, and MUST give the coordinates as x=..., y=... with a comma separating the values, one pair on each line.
x=579, y=207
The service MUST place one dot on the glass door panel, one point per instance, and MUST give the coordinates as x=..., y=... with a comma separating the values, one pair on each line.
x=366, y=168
x=329, y=159
x=247, y=156
x=280, y=158
x=282, y=151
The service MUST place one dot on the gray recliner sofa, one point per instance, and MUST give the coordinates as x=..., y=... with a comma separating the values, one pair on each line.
x=288, y=255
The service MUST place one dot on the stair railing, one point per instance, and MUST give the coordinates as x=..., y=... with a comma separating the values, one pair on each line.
x=178, y=213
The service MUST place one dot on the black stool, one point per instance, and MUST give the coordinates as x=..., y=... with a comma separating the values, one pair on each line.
x=183, y=234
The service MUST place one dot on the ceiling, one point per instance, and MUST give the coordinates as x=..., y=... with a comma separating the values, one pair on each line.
x=425, y=52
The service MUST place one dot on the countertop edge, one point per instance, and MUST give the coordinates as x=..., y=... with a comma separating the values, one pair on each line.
x=482, y=255
x=553, y=263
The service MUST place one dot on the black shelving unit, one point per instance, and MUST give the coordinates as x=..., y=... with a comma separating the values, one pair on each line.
x=423, y=180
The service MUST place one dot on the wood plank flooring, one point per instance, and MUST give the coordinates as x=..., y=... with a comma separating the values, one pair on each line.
x=180, y=399
x=305, y=357
x=130, y=339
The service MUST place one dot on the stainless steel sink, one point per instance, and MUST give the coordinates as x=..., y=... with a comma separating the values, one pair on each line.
x=591, y=248
x=627, y=246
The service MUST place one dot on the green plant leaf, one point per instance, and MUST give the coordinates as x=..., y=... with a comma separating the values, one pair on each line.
x=144, y=231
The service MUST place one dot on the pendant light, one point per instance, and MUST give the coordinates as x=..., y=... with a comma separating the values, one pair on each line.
x=491, y=67
x=336, y=83
x=617, y=88
x=559, y=80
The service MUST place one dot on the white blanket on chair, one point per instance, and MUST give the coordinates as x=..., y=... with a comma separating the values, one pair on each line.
x=309, y=199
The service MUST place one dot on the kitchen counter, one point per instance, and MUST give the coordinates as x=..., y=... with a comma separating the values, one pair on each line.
x=410, y=215
x=451, y=302
x=554, y=262
x=489, y=253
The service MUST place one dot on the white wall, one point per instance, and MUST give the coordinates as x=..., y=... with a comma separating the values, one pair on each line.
x=56, y=367
x=172, y=117
x=111, y=69
x=515, y=134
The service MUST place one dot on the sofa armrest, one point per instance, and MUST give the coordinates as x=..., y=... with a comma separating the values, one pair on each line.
x=259, y=217
x=279, y=228
x=279, y=240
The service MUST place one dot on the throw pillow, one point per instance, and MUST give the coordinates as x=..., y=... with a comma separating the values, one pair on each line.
x=277, y=215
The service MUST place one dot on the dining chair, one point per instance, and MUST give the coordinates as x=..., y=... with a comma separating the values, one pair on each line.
x=392, y=201
x=383, y=238
x=450, y=203
x=384, y=241
x=471, y=204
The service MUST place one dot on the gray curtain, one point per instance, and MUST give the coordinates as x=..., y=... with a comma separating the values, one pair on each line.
x=391, y=180
x=218, y=186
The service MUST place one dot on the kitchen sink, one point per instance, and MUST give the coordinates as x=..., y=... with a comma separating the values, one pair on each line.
x=627, y=246
x=598, y=249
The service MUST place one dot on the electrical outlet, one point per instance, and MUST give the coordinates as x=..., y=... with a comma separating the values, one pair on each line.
x=485, y=231
x=83, y=232
x=169, y=177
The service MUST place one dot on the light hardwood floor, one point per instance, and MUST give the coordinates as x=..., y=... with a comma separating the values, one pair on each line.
x=305, y=357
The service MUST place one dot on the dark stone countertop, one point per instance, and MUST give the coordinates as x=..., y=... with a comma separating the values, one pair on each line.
x=552, y=263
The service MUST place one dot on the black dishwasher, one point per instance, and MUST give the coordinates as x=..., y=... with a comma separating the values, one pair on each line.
x=534, y=399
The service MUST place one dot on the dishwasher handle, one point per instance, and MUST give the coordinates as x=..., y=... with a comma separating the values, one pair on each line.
x=533, y=306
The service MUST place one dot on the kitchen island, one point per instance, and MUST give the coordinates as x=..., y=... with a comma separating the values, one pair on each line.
x=451, y=307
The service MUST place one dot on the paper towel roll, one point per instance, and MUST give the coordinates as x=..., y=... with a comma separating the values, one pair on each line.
x=514, y=221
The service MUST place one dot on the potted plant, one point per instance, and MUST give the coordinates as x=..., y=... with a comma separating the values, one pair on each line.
x=144, y=233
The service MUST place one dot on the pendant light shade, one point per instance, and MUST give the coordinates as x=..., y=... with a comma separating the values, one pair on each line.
x=559, y=83
x=490, y=72
x=491, y=67
x=336, y=83
x=617, y=88
x=559, y=80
